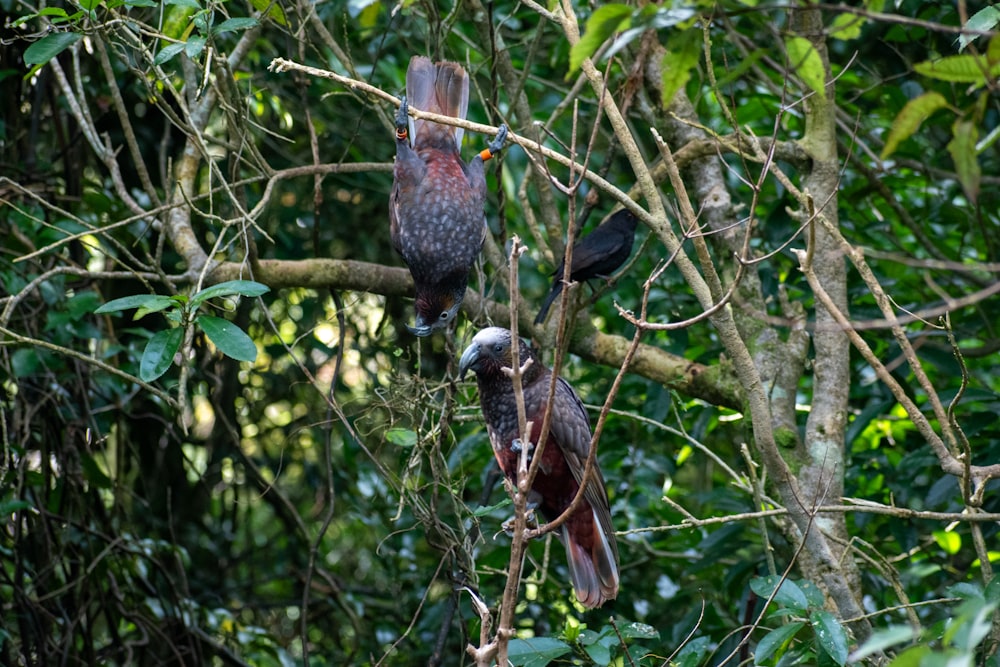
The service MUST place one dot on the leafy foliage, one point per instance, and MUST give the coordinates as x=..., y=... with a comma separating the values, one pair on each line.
x=316, y=487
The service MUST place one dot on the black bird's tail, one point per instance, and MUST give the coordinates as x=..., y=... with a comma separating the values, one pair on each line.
x=549, y=300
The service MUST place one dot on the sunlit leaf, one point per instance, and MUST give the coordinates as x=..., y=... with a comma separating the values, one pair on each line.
x=159, y=353
x=910, y=118
x=679, y=61
x=604, y=22
x=273, y=9
x=948, y=540
x=959, y=69
x=984, y=20
x=846, y=26
x=229, y=288
x=49, y=47
x=804, y=57
x=401, y=437
x=229, y=338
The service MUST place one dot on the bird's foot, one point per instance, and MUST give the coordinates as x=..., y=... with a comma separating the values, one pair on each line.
x=516, y=445
x=531, y=520
x=402, y=120
x=496, y=145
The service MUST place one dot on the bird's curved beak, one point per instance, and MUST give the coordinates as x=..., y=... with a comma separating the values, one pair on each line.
x=468, y=360
x=421, y=330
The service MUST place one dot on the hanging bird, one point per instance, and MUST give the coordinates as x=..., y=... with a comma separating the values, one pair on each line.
x=588, y=535
x=436, y=207
x=596, y=255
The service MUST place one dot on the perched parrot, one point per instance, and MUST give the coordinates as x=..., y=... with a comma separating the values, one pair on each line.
x=591, y=549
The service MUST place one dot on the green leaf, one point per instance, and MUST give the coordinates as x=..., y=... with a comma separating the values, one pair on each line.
x=599, y=653
x=536, y=652
x=168, y=52
x=604, y=22
x=195, y=46
x=229, y=288
x=910, y=118
x=984, y=20
x=774, y=640
x=882, y=640
x=846, y=26
x=992, y=592
x=814, y=596
x=229, y=338
x=804, y=57
x=789, y=595
x=273, y=9
x=147, y=301
x=694, y=652
x=25, y=362
x=488, y=509
x=401, y=437
x=962, y=149
x=82, y=303
x=948, y=540
x=679, y=61
x=958, y=69
x=49, y=47
x=158, y=304
x=830, y=635
x=638, y=631
x=57, y=12
x=912, y=657
x=8, y=507
x=159, y=353
x=232, y=25
x=972, y=626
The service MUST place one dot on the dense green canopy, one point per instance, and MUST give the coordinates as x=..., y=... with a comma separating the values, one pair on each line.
x=220, y=444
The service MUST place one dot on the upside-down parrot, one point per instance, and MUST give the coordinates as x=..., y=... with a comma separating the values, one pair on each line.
x=596, y=255
x=436, y=206
x=588, y=536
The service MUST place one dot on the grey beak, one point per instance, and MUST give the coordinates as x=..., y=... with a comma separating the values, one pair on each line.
x=468, y=360
x=420, y=330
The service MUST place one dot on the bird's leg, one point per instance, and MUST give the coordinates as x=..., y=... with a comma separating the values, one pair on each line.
x=496, y=145
x=402, y=120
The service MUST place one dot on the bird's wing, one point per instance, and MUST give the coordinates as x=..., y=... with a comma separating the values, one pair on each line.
x=571, y=430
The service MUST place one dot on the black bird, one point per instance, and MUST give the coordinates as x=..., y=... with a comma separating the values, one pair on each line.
x=596, y=255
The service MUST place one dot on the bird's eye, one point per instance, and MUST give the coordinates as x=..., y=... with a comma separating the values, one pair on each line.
x=443, y=316
x=498, y=347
